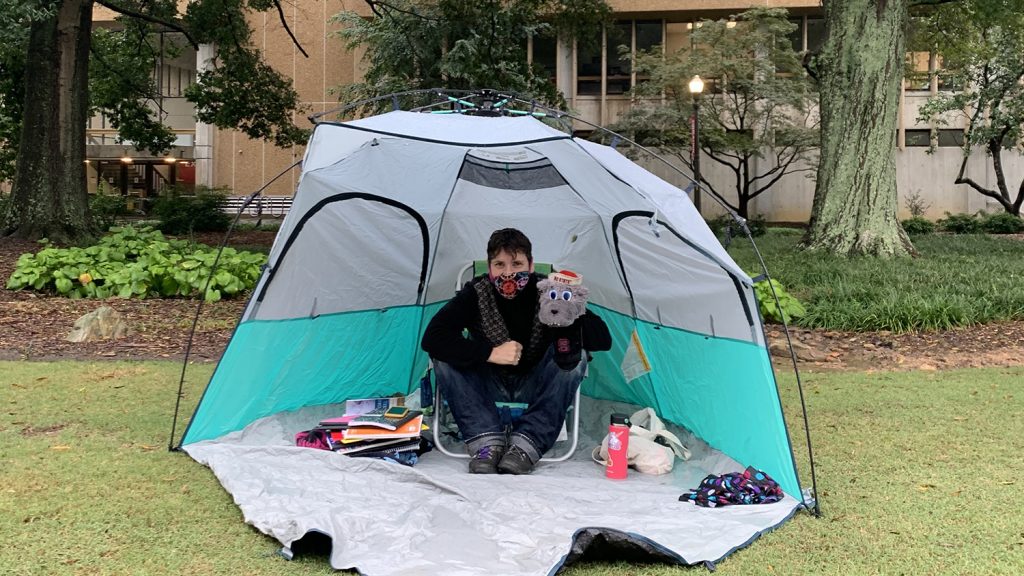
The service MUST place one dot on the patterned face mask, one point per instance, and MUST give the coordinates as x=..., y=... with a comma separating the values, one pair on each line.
x=511, y=284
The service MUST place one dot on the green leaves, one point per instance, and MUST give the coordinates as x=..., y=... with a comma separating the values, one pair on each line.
x=137, y=263
x=63, y=285
x=788, y=307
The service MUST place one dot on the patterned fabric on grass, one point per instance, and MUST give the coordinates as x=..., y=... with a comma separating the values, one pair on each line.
x=752, y=486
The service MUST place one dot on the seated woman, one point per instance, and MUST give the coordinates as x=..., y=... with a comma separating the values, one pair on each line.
x=509, y=357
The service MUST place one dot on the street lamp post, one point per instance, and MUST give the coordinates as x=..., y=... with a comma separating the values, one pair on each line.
x=696, y=89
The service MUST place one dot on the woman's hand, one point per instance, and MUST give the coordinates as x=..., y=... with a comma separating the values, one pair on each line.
x=507, y=354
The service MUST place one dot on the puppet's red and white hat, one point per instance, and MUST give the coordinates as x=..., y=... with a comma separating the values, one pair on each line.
x=567, y=277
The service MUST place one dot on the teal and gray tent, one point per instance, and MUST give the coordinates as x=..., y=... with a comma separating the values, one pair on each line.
x=388, y=210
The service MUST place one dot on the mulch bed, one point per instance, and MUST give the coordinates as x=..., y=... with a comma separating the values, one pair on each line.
x=34, y=327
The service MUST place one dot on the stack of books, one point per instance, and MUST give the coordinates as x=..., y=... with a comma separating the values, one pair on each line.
x=374, y=428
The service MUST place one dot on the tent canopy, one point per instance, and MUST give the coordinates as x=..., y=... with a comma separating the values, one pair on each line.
x=390, y=208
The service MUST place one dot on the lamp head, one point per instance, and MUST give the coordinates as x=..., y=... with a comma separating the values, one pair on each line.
x=696, y=86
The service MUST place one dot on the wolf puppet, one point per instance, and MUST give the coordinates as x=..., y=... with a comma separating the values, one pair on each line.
x=563, y=300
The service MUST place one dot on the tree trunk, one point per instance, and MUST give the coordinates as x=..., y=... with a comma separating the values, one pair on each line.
x=743, y=205
x=861, y=65
x=49, y=197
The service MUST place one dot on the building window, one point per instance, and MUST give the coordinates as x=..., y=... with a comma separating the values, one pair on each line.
x=815, y=33
x=809, y=28
x=677, y=36
x=796, y=37
x=619, y=67
x=917, y=77
x=615, y=67
x=545, y=56
x=951, y=138
x=946, y=80
x=918, y=138
x=649, y=33
x=588, y=70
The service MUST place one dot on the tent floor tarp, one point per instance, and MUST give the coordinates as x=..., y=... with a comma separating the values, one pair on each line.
x=388, y=519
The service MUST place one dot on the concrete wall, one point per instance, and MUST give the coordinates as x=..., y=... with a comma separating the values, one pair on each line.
x=928, y=175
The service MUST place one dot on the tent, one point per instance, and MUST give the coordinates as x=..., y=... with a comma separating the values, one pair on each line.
x=388, y=210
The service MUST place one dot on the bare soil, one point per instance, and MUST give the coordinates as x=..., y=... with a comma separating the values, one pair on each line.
x=34, y=327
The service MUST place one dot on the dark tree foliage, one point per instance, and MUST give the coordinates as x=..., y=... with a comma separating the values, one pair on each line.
x=463, y=44
x=981, y=43
x=77, y=71
x=14, y=18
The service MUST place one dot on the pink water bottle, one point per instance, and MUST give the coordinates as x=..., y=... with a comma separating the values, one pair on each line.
x=618, y=447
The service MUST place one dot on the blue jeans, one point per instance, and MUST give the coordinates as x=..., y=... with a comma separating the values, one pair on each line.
x=471, y=394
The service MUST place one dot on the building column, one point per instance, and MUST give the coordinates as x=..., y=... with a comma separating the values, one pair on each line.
x=203, y=145
x=565, y=71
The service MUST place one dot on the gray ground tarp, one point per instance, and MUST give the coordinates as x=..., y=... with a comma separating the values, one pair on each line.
x=387, y=519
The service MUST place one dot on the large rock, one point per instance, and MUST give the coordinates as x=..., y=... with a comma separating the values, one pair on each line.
x=103, y=323
x=780, y=349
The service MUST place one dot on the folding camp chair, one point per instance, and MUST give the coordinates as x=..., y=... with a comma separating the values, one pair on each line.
x=509, y=411
x=444, y=423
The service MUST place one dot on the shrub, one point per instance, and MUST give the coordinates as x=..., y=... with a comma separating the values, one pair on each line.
x=916, y=205
x=719, y=224
x=757, y=225
x=918, y=225
x=202, y=212
x=106, y=206
x=5, y=203
x=789, y=307
x=960, y=224
x=1002, y=223
x=137, y=263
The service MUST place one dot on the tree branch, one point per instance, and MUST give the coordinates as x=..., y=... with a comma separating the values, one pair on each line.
x=284, y=22
x=718, y=156
x=150, y=18
x=706, y=185
x=375, y=3
x=123, y=80
x=1020, y=198
x=983, y=191
x=784, y=170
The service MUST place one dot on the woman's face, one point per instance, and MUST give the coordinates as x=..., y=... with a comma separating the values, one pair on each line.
x=505, y=263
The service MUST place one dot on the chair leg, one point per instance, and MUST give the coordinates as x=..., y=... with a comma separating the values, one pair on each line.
x=439, y=406
x=574, y=437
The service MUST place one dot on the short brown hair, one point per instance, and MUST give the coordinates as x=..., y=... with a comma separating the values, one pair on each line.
x=511, y=241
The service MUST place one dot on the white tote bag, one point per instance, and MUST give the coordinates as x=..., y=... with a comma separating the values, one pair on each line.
x=646, y=453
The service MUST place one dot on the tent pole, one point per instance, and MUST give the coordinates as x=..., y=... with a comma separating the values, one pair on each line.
x=796, y=370
x=195, y=320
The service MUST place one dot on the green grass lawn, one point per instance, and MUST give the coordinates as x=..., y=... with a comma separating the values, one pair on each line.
x=920, y=474
x=958, y=280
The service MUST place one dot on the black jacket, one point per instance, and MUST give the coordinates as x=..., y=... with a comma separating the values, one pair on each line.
x=443, y=340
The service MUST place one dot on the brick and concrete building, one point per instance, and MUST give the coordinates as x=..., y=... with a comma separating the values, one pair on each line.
x=595, y=85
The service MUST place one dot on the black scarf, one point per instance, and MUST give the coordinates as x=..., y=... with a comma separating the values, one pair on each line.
x=493, y=325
